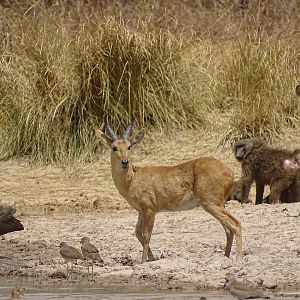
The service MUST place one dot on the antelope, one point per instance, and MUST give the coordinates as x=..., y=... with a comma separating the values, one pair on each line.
x=203, y=181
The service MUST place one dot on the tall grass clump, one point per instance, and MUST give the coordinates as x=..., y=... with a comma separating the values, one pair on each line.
x=66, y=65
x=62, y=82
x=257, y=84
x=40, y=85
x=148, y=74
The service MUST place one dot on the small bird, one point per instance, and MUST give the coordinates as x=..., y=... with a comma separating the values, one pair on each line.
x=8, y=223
x=90, y=252
x=241, y=290
x=17, y=293
x=69, y=254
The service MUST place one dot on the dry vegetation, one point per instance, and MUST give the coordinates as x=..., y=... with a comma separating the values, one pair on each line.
x=64, y=66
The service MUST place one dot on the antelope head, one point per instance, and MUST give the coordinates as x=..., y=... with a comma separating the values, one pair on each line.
x=120, y=146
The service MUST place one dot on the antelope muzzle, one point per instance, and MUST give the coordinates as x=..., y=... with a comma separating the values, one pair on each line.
x=124, y=163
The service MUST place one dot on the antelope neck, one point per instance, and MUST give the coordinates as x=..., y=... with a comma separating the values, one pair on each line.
x=122, y=178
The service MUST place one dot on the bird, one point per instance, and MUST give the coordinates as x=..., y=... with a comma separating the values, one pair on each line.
x=8, y=223
x=90, y=252
x=69, y=254
x=241, y=290
x=17, y=293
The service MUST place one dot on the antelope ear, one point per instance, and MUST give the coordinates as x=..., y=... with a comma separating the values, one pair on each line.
x=103, y=137
x=138, y=137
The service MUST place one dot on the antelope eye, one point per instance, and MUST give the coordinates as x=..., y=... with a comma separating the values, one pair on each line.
x=114, y=148
x=129, y=148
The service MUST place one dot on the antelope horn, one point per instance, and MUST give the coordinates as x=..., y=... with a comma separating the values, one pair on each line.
x=127, y=133
x=109, y=131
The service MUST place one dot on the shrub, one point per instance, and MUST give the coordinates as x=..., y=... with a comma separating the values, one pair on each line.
x=61, y=84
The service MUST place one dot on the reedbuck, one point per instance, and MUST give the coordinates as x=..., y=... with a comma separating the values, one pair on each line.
x=204, y=182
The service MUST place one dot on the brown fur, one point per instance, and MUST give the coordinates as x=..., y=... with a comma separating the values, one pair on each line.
x=236, y=192
x=8, y=223
x=298, y=89
x=204, y=182
x=292, y=194
x=264, y=165
x=287, y=196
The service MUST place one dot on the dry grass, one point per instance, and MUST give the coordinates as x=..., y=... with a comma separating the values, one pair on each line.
x=59, y=86
x=258, y=86
x=64, y=67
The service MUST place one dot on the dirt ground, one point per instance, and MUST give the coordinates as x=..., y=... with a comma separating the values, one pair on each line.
x=65, y=202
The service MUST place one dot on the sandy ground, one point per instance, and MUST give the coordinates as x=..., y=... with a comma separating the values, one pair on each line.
x=65, y=202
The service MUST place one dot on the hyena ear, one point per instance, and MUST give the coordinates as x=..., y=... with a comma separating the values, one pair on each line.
x=138, y=137
x=106, y=140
